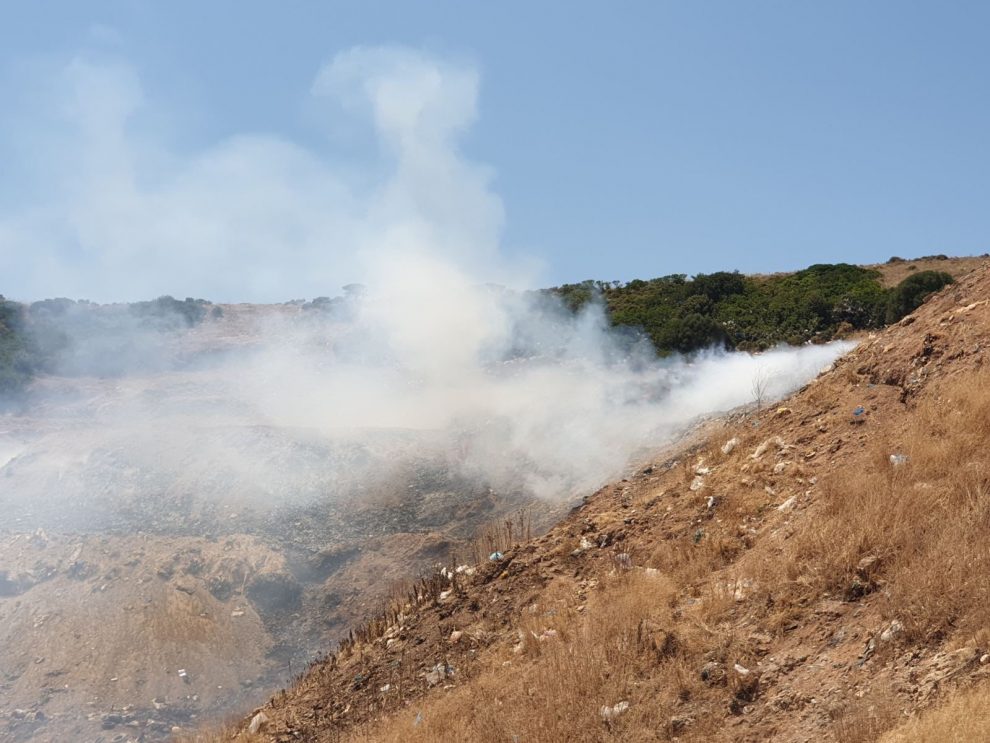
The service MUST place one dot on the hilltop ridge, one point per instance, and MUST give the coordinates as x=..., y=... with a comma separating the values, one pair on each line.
x=811, y=571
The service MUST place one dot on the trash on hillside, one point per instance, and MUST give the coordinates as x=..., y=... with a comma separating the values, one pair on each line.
x=729, y=445
x=438, y=673
x=610, y=713
x=419, y=719
x=859, y=411
x=495, y=556
x=898, y=459
x=183, y=675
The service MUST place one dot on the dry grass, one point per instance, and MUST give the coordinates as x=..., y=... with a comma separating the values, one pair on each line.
x=893, y=273
x=964, y=718
x=917, y=530
x=910, y=536
x=497, y=536
x=568, y=665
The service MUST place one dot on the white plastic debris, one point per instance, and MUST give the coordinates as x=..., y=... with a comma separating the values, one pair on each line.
x=610, y=713
x=898, y=459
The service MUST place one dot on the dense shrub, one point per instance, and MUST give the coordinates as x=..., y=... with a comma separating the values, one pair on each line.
x=746, y=312
x=907, y=296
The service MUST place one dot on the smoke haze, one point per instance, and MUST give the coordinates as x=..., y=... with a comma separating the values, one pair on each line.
x=523, y=394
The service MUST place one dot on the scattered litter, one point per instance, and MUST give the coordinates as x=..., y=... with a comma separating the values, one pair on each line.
x=711, y=501
x=419, y=719
x=898, y=459
x=237, y=613
x=183, y=675
x=729, y=445
x=456, y=635
x=741, y=670
x=385, y=688
x=438, y=673
x=585, y=544
x=495, y=556
x=610, y=713
x=859, y=411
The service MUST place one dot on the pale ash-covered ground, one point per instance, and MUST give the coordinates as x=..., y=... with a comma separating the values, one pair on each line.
x=168, y=554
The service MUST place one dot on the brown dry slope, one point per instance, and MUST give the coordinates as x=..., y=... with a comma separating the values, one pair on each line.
x=817, y=571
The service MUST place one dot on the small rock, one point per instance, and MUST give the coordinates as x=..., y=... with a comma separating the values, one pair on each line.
x=762, y=448
x=712, y=673
x=257, y=723
x=787, y=504
x=697, y=483
x=729, y=445
x=456, y=635
x=892, y=631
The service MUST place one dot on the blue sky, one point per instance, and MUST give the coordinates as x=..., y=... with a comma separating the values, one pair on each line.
x=620, y=140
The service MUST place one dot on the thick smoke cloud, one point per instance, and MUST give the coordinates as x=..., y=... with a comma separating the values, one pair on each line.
x=505, y=385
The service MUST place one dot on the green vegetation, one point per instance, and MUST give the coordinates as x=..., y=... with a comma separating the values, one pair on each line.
x=16, y=364
x=676, y=313
x=44, y=336
x=817, y=304
x=907, y=296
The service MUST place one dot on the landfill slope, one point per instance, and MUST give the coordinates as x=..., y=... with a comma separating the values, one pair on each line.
x=731, y=590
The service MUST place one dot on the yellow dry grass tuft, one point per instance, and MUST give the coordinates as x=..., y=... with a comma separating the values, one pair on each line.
x=964, y=718
x=568, y=673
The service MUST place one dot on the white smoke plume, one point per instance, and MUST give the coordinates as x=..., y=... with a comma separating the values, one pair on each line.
x=517, y=392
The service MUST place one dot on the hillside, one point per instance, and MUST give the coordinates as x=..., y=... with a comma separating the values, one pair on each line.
x=816, y=571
